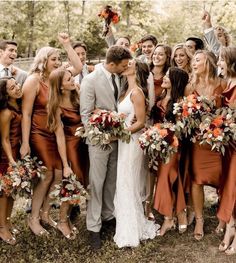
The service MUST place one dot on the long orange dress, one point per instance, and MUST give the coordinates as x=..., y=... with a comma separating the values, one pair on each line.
x=169, y=195
x=228, y=180
x=77, y=151
x=157, y=87
x=206, y=165
x=43, y=142
x=15, y=139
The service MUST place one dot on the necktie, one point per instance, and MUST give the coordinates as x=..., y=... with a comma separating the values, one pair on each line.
x=113, y=77
x=6, y=72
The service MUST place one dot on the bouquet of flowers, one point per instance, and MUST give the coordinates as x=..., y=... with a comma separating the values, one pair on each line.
x=109, y=15
x=19, y=178
x=217, y=129
x=159, y=142
x=69, y=190
x=103, y=126
x=189, y=112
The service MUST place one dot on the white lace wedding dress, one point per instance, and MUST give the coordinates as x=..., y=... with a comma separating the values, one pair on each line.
x=131, y=224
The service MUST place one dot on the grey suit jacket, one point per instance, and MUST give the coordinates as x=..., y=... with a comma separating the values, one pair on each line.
x=21, y=76
x=212, y=41
x=96, y=92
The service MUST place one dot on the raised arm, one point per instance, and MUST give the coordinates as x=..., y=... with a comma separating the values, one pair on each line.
x=5, y=121
x=75, y=61
x=30, y=89
x=138, y=99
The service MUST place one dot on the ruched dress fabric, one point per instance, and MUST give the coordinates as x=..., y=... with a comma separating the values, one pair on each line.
x=157, y=86
x=206, y=165
x=169, y=194
x=15, y=140
x=43, y=142
x=131, y=224
x=77, y=152
x=227, y=189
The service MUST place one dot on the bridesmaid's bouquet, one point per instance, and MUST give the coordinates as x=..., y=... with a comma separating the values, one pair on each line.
x=19, y=178
x=189, y=112
x=69, y=190
x=159, y=142
x=104, y=126
x=110, y=16
x=217, y=129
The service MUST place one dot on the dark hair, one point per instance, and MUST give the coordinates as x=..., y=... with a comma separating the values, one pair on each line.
x=116, y=54
x=4, y=43
x=199, y=44
x=167, y=50
x=179, y=80
x=151, y=38
x=79, y=44
x=3, y=92
x=126, y=37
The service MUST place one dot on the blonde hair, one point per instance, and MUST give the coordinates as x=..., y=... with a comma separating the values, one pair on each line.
x=186, y=51
x=40, y=61
x=229, y=55
x=225, y=33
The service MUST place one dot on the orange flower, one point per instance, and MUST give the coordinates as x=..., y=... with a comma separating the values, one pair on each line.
x=217, y=132
x=218, y=121
x=115, y=19
x=163, y=132
x=192, y=98
x=185, y=112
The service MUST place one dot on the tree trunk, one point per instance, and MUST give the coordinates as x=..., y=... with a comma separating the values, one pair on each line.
x=67, y=9
x=31, y=16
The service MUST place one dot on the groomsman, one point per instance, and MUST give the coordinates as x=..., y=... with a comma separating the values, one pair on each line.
x=101, y=90
x=8, y=54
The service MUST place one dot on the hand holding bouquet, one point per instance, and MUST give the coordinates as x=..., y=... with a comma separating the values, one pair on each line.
x=19, y=178
x=189, y=112
x=103, y=126
x=69, y=190
x=109, y=15
x=217, y=129
x=159, y=142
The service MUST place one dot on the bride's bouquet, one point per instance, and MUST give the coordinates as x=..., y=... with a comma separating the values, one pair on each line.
x=110, y=16
x=19, y=178
x=217, y=129
x=69, y=190
x=159, y=142
x=103, y=126
x=189, y=112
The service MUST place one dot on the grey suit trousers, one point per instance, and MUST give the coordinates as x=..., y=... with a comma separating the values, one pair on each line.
x=102, y=180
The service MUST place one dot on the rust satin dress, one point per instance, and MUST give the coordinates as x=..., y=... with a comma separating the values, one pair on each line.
x=157, y=87
x=169, y=194
x=206, y=165
x=227, y=189
x=15, y=139
x=43, y=142
x=77, y=151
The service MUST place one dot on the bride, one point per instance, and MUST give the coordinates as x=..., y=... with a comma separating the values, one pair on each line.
x=131, y=224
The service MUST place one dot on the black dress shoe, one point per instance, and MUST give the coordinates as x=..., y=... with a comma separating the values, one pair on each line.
x=109, y=224
x=95, y=240
x=75, y=211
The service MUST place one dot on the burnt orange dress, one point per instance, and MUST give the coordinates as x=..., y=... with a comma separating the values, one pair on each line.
x=77, y=151
x=43, y=142
x=228, y=180
x=206, y=165
x=157, y=87
x=169, y=194
x=15, y=139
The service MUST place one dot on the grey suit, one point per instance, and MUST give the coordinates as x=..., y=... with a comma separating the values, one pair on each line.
x=96, y=92
x=212, y=41
x=21, y=76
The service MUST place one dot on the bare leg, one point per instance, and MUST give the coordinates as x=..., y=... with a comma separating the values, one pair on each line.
x=229, y=235
x=150, y=185
x=39, y=194
x=198, y=202
x=10, y=203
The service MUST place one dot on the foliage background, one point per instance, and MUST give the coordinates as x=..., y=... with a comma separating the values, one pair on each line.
x=34, y=24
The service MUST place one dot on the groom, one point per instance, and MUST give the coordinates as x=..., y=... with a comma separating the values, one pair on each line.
x=100, y=90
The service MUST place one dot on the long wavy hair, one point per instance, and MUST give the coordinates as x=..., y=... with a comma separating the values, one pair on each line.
x=167, y=51
x=56, y=96
x=40, y=61
x=210, y=67
x=186, y=51
x=229, y=55
x=4, y=98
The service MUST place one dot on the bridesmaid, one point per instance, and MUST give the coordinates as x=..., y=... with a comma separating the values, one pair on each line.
x=63, y=112
x=158, y=67
x=10, y=129
x=169, y=196
x=227, y=207
x=35, y=132
x=205, y=164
